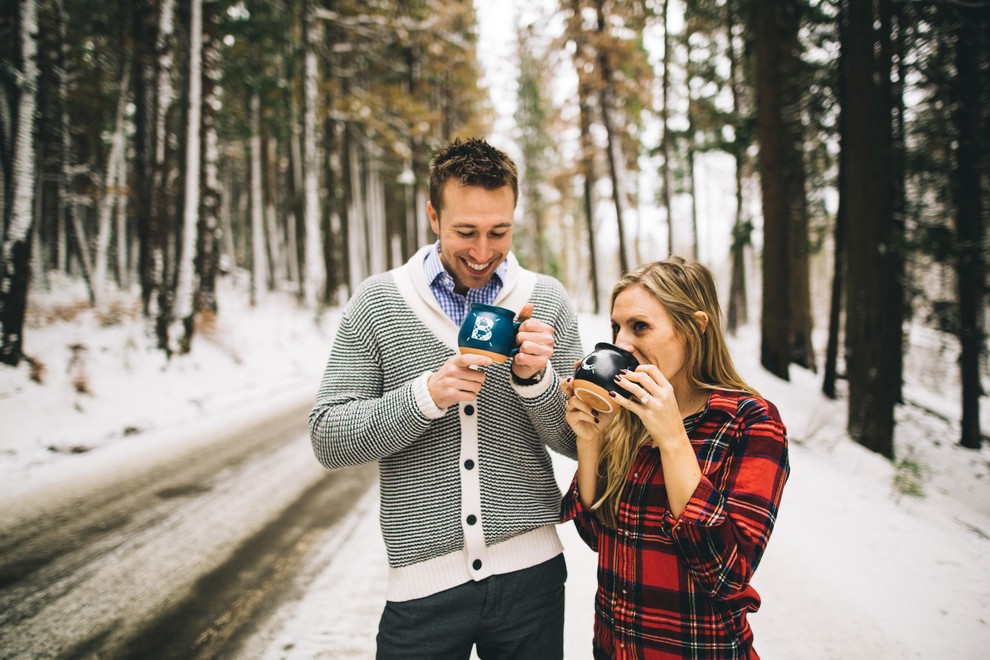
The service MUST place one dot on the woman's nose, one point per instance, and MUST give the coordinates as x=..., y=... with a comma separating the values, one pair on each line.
x=622, y=342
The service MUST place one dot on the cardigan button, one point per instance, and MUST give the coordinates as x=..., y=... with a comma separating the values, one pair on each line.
x=476, y=564
x=469, y=464
x=469, y=409
x=472, y=519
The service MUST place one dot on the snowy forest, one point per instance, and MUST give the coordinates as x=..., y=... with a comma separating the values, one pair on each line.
x=154, y=146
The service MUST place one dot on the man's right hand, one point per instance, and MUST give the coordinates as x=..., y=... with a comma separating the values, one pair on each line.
x=456, y=381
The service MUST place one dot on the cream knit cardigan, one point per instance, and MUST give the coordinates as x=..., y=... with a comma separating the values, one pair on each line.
x=466, y=492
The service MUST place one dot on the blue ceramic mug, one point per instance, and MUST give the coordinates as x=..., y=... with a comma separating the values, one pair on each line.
x=489, y=330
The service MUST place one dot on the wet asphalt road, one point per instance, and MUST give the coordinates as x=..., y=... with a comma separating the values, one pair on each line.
x=181, y=557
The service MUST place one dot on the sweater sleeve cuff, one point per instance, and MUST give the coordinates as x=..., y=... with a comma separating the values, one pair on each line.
x=423, y=398
x=533, y=391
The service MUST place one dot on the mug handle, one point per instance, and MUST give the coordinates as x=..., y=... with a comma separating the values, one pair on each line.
x=515, y=330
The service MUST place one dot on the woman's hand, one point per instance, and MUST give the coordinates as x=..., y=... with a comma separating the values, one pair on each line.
x=653, y=401
x=588, y=425
x=585, y=420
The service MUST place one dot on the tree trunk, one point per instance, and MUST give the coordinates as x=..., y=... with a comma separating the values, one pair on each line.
x=588, y=176
x=665, y=141
x=689, y=68
x=831, y=376
x=211, y=193
x=586, y=146
x=153, y=40
x=111, y=191
x=259, y=262
x=315, y=275
x=186, y=286
x=773, y=27
x=871, y=289
x=15, y=265
x=971, y=166
x=738, y=304
x=612, y=152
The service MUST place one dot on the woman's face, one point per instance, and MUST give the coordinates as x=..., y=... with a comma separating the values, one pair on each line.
x=642, y=326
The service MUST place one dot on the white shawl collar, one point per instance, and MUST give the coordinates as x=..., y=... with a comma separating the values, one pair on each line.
x=410, y=279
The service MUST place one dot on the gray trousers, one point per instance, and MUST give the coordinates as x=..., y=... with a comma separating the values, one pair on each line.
x=518, y=615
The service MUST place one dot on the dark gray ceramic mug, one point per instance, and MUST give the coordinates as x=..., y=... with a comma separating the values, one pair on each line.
x=594, y=378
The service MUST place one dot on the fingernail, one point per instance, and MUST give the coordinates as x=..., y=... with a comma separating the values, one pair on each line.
x=623, y=372
x=594, y=412
x=618, y=378
x=612, y=394
x=596, y=420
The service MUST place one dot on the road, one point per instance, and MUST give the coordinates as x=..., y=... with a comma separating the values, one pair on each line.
x=181, y=554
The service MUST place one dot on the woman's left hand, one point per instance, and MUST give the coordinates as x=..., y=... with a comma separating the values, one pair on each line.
x=653, y=401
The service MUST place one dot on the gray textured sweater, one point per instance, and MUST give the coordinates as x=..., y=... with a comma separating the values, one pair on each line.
x=466, y=492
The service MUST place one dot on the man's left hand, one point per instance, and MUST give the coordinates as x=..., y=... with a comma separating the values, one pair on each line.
x=535, y=340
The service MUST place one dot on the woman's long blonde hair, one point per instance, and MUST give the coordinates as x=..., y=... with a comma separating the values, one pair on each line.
x=683, y=288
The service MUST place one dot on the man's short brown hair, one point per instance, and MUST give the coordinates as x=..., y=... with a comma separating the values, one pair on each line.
x=472, y=162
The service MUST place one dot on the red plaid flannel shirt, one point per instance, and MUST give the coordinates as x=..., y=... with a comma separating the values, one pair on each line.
x=679, y=587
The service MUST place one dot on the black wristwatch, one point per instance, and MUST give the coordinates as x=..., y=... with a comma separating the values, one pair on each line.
x=527, y=381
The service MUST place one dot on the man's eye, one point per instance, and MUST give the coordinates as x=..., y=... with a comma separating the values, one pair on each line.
x=498, y=234
x=465, y=234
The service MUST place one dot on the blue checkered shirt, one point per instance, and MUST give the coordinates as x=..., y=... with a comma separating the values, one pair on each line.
x=453, y=304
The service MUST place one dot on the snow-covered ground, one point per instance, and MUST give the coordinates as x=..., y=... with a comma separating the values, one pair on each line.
x=858, y=567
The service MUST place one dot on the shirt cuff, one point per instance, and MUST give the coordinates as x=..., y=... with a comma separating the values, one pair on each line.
x=423, y=398
x=706, y=508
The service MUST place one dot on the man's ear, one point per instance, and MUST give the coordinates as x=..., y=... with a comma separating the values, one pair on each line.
x=702, y=320
x=434, y=217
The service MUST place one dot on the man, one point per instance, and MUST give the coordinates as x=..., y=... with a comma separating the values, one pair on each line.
x=468, y=495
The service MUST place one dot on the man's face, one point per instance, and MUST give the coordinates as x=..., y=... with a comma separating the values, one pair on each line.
x=475, y=232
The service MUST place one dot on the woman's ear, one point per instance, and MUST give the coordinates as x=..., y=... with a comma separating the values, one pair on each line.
x=702, y=320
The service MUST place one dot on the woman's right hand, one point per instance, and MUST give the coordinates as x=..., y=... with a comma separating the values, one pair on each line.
x=588, y=425
x=587, y=422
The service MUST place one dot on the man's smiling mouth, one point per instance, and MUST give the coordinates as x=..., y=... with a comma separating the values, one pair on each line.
x=478, y=267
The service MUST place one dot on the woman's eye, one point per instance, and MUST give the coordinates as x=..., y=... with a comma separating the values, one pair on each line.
x=640, y=326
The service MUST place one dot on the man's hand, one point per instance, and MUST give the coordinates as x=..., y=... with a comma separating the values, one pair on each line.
x=456, y=381
x=535, y=340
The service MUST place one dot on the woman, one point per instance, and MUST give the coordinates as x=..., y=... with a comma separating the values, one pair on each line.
x=678, y=489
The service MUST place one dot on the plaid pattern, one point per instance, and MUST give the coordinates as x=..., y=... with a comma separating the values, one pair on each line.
x=680, y=588
x=453, y=304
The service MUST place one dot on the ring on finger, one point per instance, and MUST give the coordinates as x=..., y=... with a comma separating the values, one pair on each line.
x=645, y=399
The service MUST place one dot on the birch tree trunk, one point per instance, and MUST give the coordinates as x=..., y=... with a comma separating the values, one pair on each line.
x=378, y=244
x=357, y=244
x=208, y=248
x=665, y=141
x=185, y=286
x=111, y=191
x=153, y=40
x=259, y=265
x=15, y=255
x=315, y=271
x=123, y=262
